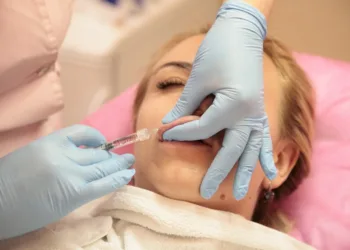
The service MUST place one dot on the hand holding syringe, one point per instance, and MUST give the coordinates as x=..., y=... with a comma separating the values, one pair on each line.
x=140, y=135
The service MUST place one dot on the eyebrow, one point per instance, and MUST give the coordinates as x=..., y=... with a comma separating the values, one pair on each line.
x=178, y=64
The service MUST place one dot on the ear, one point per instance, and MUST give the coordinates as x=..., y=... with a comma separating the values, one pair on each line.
x=286, y=154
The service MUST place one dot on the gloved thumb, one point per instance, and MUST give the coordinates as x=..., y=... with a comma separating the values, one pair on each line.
x=82, y=135
x=188, y=102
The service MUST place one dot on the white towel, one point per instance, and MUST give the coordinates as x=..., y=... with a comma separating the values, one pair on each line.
x=137, y=219
x=145, y=220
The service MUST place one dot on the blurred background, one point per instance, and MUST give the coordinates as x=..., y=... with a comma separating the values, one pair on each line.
x=110, y=43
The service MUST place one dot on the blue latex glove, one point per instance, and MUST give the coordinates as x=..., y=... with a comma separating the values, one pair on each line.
x=49, y=178
x=229, y=64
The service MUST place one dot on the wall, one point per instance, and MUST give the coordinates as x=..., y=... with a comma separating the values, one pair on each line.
x=319, y=27
x=316, y=26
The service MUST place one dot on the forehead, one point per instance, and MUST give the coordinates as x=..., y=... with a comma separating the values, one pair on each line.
x=185, y=51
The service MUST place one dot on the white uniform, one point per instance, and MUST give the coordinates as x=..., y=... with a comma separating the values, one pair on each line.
x=31, y=96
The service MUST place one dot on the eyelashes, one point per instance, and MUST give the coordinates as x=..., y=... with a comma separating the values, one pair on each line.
x=174, y=82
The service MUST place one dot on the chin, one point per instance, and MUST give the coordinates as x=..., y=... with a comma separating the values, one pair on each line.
x=173, y=169
x=174, y=179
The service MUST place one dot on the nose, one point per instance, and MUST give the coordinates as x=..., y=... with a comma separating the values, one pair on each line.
x=204, y=105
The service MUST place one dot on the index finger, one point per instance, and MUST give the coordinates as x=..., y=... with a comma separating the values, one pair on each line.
x=87, y=156
x=81, y=135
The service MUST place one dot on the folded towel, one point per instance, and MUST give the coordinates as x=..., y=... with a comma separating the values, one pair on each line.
x=145, y=220
x=72, y=235
x=137, y=219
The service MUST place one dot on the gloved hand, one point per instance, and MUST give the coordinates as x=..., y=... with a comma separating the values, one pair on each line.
x=229, y=64
x=49, y=178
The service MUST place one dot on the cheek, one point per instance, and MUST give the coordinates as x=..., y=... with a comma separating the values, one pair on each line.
x=154, y=108
x=257, y=181
x=273, y=115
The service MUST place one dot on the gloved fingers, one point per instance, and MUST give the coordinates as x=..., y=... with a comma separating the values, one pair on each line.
x=106, y=185
x=81, y=135
x=102, y=169
x=232, y=147
x=266, y=154
x=200, y=129
x=247, y=164
x=188, y=102
x=87, y=156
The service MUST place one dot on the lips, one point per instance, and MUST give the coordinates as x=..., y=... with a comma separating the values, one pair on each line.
x=209, y=142
x=180, y=121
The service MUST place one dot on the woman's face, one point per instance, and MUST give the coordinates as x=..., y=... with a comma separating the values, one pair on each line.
x=176, y=169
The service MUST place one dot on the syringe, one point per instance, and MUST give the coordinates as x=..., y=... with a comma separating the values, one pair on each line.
x=140, y=135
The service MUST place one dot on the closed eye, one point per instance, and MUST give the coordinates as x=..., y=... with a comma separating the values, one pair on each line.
x=174, y=82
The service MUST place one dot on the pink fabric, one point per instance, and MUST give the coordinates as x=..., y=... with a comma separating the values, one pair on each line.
x=114, y=119
x=31, y=97
x=321, y=206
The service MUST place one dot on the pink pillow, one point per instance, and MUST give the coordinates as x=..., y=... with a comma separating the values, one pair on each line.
x=321, y=206
x=114, y=119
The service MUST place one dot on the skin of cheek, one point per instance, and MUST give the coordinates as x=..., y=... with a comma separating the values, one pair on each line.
x=176, y=172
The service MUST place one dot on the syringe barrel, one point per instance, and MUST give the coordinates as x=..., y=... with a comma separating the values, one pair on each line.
x=140, y=135
x=143, y=134
x=126, y=140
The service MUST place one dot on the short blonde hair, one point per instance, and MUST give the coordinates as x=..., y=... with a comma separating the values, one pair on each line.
x=296, y=117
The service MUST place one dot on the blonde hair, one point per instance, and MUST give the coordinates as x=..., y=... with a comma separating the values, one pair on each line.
x=296, y=117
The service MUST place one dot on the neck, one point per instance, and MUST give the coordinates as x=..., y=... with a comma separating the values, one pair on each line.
x=218, y=202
